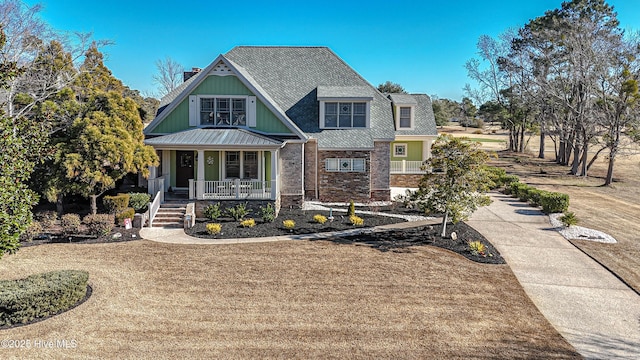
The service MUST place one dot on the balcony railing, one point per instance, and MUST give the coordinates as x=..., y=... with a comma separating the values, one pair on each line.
x=232, y=189
x=407, y=167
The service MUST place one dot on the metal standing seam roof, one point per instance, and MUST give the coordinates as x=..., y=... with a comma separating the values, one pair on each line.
x=214, y=137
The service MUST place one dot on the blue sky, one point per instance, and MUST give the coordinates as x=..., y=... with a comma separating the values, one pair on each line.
x=421, y=45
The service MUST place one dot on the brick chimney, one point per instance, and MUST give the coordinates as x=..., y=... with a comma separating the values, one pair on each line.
x=189, y=74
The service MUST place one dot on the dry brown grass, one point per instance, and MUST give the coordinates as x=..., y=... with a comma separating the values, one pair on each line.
x=614, y=209
x=284, y=300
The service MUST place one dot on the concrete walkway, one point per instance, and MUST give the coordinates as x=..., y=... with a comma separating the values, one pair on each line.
x=590, y=307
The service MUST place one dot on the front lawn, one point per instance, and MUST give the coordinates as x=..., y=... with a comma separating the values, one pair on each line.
x=291, y=299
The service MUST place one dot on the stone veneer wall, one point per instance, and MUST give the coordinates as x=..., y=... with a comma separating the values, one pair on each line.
x=344, y=186
x=291, y=167
x=310, y=169
x=380, y=167
x=405, y=180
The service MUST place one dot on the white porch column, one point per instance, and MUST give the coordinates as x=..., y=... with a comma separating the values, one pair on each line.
x=200, y=176
x=166, y=168
x=275, y=179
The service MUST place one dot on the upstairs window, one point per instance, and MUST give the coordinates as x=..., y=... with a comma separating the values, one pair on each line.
x=344, y=114
x=223, y=112
x=404, y=121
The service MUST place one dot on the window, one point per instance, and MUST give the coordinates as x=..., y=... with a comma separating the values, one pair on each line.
x=405, y=118
x=345, y=114
x=400, y=150
x=223, y=111
x=241, y=164
x=232, y=164
x=250, y=165
x=345, y=165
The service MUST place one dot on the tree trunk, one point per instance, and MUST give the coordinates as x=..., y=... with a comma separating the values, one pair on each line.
x=612, y=158
x=542, y=137
x=60, y=204
x=94, y=205
x=444, y=224
x=522, y=130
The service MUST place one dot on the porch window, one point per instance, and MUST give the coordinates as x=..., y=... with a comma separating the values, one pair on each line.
x=241, y=165
x=400, y=150
x=232, y=164
x=250, y=165
x=223, y=111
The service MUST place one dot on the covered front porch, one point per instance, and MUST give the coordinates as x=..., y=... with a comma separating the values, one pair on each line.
x=216, y=164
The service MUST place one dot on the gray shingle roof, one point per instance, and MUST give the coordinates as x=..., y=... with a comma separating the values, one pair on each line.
x=424, y=120
x=353, y=92
x=214, y=137
x=292, y=77
x=404, y=99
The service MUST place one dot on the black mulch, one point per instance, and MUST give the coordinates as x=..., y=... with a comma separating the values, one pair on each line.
x=393, y=240
x=118, y=234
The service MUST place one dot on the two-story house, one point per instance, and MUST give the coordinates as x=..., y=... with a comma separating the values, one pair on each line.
x=287, y=124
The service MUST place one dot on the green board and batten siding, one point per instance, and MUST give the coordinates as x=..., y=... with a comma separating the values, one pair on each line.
x=414, y=151
x=178, y=119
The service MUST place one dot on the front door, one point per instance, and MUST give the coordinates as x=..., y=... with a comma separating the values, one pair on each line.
x=184, y=168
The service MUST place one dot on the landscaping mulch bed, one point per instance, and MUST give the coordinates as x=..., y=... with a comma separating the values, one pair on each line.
x=304, y=225
x=402, y=240
x=118, y=234
x=392, y=240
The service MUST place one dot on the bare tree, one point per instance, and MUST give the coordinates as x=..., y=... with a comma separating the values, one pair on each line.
x=169, y=75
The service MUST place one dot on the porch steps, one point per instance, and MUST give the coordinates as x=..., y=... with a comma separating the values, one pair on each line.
x=170, y=215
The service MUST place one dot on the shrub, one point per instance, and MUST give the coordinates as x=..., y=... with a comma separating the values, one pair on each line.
x=495, y=175
x=139, y=201
x=534, y=196
x=507, y=180
x=519, y=190
x=32, y=231
x=213, y=211
x=47, y=218
x=554, y=202
x=268, y=213
x=40, y=295
x=352, y=208
x=477, y=248
x=248, y=223
x=214, y=228
x=238, y=212
x=568, y=219
x=70, y=224
x=477, y=132
x=99, y=224
x=319, y=218
x=356, y=220
x=289, y=224
x=127, y=213
x=115, y=204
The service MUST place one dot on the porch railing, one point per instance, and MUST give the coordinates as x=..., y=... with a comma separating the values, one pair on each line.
x=155, y=205
x=407, y=167
x=232, y=189
x=155, y=185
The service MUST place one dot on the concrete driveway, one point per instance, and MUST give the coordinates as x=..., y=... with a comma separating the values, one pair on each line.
x=597, y=313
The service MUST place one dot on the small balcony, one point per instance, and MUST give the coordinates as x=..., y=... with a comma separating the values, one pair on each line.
x=407, y=167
